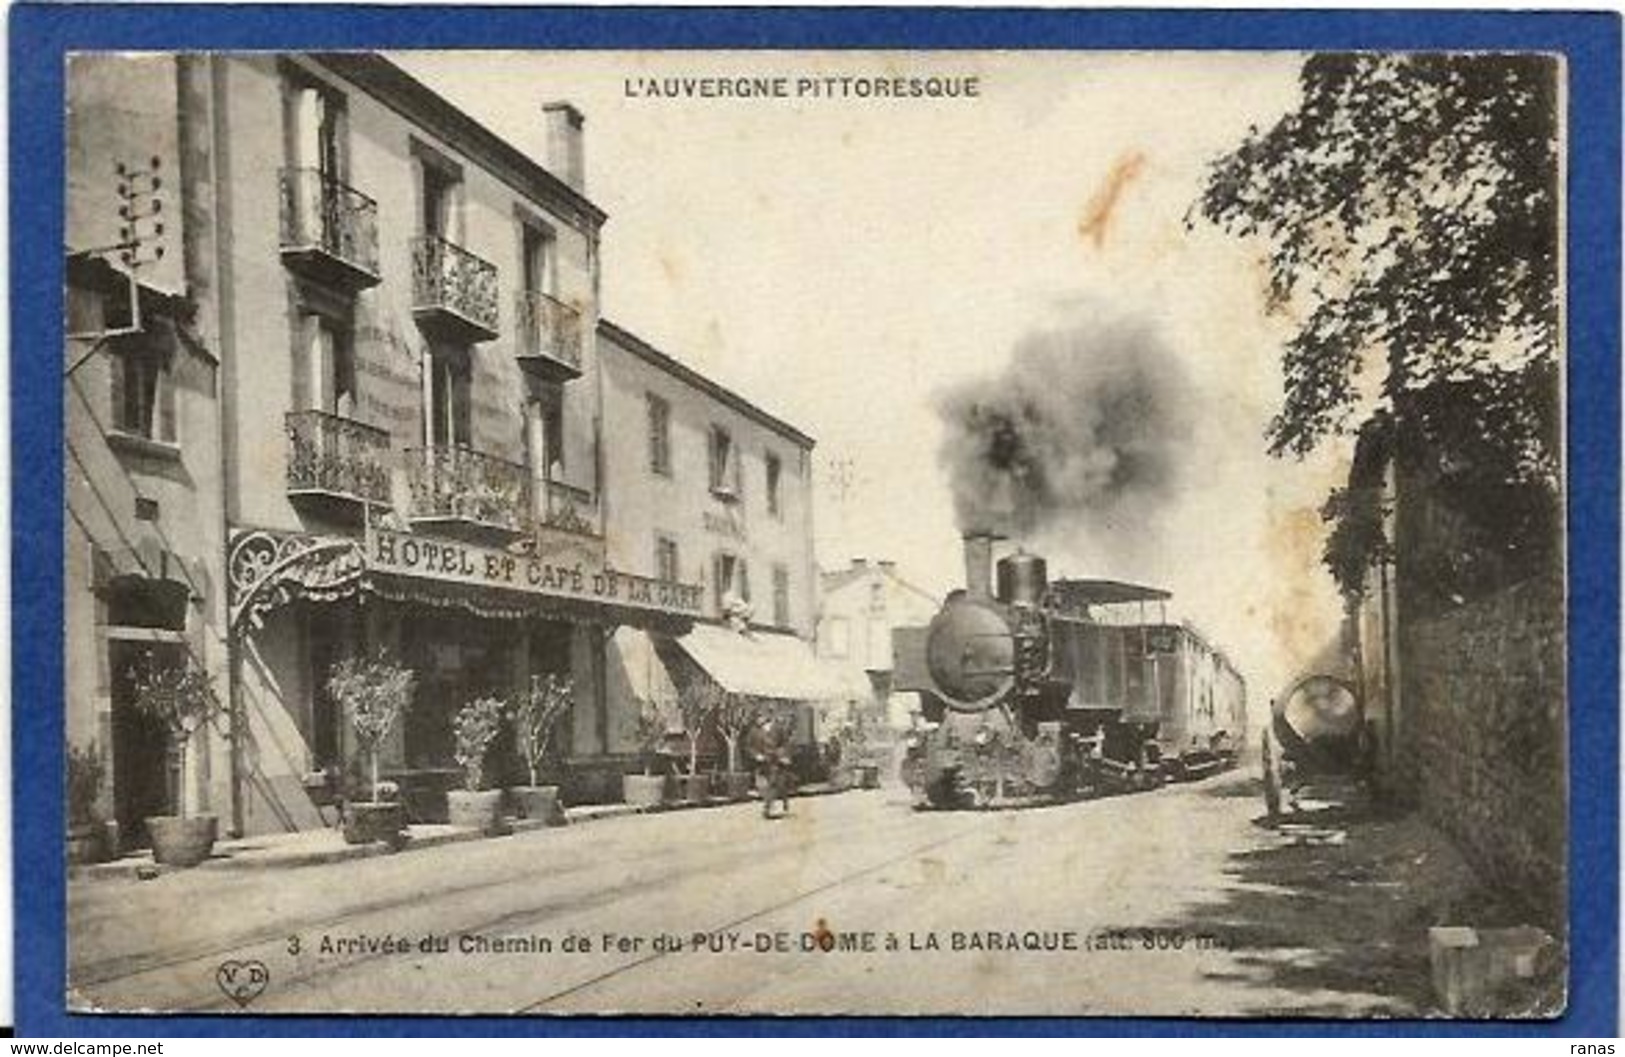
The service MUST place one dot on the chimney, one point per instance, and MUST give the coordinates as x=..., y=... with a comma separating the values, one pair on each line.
x=566, y=157
x=979, y=564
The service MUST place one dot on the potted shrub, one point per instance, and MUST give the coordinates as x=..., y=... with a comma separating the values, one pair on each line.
x=647, y=789
x=87, y=832
x=858, y=751
x=734, y=716
x=182, y=698
x=697, y=704
x=536, y=716
x=375, y=693
x=474, y=728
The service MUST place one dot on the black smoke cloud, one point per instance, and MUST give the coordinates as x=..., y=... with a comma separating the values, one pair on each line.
x=1086, y=430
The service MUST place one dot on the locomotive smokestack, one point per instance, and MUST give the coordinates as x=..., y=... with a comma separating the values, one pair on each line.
x=979, y=564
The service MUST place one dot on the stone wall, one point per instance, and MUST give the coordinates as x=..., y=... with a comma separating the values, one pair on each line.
x=1484, y=732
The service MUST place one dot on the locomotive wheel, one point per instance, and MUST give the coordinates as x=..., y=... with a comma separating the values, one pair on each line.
x=1272, y=778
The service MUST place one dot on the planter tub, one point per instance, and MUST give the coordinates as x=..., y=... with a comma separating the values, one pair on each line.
x=182, y=841
x=88, y=843
x=694, y=788
x=367, y=822
x=537, y=802
x=644, y=790
x=736, y=785
x=481, y=811
x=869, y=776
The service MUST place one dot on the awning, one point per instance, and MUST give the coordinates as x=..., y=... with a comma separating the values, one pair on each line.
x=762, y=665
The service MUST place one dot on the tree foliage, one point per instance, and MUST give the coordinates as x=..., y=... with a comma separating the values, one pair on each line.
x=536, y=716
x=1409, y=206
x=374, y=692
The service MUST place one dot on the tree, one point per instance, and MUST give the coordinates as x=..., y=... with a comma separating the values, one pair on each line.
x=474, y=727
x=536, y=715
x=182, y=698
x=374, y=692
x=1409, y=206
x=735, y=713
x=697, y=703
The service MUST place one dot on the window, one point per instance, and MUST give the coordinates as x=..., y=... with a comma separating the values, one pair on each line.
x=143, y=393
x=325, y=379
x=835, y=637
x=538, y=270
x=439, y=188
x=450, y=399
x=732, y=579
x=781, y=596
x=314, y=126
x=659, y=436
x=775, y=470
x=666, y=567
x=724, y=464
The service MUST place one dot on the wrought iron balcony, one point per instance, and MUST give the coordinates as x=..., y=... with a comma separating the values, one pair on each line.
x=333, y=460
x=468, y=494
x=549, y=336
x=329, y=230
x=454, y=293
x=568, y=508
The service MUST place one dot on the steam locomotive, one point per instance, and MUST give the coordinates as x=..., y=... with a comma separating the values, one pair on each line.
x=1053, y=690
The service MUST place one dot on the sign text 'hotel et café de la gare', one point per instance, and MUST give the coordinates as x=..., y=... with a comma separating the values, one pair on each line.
x=571, y=573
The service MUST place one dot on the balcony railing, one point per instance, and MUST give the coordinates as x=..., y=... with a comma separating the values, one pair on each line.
x=337, y=458
x=567, y=507
x=453, y=290
x=549, y=335
x=329, y=229
x=465, y=491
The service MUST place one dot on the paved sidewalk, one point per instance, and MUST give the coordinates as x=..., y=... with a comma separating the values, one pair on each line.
x=314, y=847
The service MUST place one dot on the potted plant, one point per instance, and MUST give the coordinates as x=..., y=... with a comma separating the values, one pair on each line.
x=536, y=716
x=734, y=716
x=87, y=832
x=375, y=693
x=697, y=704
x=182, y=698
x=474, y=728
x=857, y=748
x=647, y=789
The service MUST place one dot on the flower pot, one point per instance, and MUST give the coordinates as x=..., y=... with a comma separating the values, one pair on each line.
x=182, y=841
x=694, y=788
x=368, y=821
x=644, y=790
x=537, y=802
x=480, y=810
x=869, y=776
x=736, y=785
x=88, y=842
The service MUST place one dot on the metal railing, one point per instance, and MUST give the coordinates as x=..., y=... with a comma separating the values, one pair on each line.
x=323, y=213
x=548, y=327
x=567, y=507
x=444, y=275
x=328, y=453
x=468, y=485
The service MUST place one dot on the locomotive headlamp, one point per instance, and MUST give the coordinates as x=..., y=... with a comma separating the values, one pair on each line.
x=984, y=736
x=913, y=740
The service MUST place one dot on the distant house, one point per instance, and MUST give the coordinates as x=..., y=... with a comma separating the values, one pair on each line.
x=861, y=605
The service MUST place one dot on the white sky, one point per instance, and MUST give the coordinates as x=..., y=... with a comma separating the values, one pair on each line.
x=838, y=262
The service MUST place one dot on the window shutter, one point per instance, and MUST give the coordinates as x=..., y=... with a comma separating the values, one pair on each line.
x=164, y=397
x=118, y=378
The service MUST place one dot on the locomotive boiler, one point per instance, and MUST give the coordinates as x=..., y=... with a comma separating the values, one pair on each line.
x=1317, y=730
x=1036, y=690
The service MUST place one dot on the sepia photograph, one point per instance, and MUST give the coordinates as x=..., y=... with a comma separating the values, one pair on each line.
x=816, y=533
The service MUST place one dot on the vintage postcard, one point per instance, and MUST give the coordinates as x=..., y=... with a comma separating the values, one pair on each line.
x=816, y=533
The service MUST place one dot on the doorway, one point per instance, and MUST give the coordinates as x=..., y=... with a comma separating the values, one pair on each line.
x=140, y=742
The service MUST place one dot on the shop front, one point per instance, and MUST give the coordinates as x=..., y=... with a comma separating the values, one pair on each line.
x=468, y=621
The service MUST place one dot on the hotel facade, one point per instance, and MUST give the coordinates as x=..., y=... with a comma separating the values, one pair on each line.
x=355, y=394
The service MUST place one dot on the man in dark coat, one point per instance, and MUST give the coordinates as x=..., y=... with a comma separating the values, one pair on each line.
x=769, y=748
